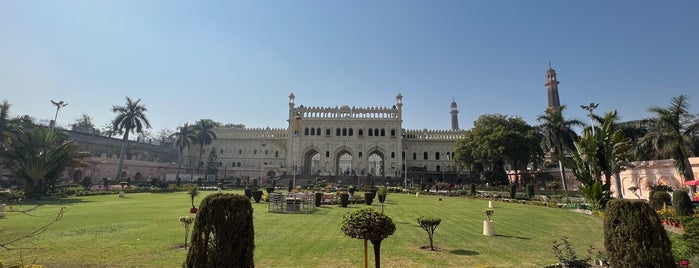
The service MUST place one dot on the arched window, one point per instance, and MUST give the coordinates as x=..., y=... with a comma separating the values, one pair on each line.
x=383, y=132
x=327, y=153
x=438, y=168
x=360, y=154
x=305, y=131
x=337, y=132
x=361, y=132
x=448, y=155
x=344, y=132
x=376, y=132
x=371, y=132
x=313, y=131
x=436, y=156
x=327, y=132
x=351, y=132
x=425, y=156
x=414, y=156
x=393, y=154
x=238, y=164
x=276, y=154
x=393, y=132
x=318, y=131
x=403, y=155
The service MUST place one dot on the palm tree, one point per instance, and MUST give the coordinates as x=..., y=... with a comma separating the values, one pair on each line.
x=558, y=135
x=11, y=126
x=672, y=134
x=182, y=139
x=39, y=156
x=203, y=135
x=130, y=118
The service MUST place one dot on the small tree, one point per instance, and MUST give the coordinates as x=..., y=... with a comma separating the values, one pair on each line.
x=223, y=233
x=530, y=190
x=193, y=192
x=369, y=225
x=382, y=192
x=513, y=190
x=634, y=236
x=429, y=224
x=186, y=222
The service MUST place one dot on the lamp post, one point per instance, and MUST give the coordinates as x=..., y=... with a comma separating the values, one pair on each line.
x=297, y=129
x=590, y=108
x=405, y=168
x=58, y=105
x=262, y=164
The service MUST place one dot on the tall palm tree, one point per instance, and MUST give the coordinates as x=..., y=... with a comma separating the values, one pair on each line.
x=558, y=135
x=203, y=135
x=129, y=118
x=672, y=134
x=39, y=156
x=182, y=139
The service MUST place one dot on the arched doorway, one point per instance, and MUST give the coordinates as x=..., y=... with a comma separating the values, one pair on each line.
x=311, y=163
x=78, y=176
x=376, y=164
x=343, y=163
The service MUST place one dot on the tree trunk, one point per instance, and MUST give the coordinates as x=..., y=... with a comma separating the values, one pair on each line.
x=200, y=165
x=563, y=175
x=121, y=154
x=377, y=252
x=617, y=182
x=689, y=176
x=431, y=234
x=179, y=165
x=366, y=255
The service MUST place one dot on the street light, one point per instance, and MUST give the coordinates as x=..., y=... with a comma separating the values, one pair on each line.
x=591, y=108
x=297, y=129
x=58, y=105
x=262, y=165
x=405, y=168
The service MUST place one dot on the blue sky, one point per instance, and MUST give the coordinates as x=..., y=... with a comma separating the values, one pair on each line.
x=238, y=61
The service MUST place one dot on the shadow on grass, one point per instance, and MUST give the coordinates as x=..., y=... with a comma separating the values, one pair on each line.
x=50, y=201
x=463, y=252
x=517, y=237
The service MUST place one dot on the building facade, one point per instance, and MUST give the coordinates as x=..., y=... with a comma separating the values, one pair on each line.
x=336, y=143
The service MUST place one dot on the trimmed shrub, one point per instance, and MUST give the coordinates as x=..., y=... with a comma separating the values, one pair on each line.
x=682, y=203
x=530, y=191
x=429, y=224
x=223, y=234
x=248, y=193
x=691, y=236
x=344, y=199
x=257, y=195
x=658, y=199
x=513, y=190
x=319, y=198
x=368, y=198
x=634, y=236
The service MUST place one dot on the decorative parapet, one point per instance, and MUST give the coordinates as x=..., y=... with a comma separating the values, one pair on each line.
x=348, y=112
x=426, y=134
x=251, y=133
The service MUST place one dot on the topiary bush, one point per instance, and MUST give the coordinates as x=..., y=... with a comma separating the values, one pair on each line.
x=223, y=234
x=658, y=199
x=473, y=189
x=319, y=198
x=634, y=236
x=682, y=203
x=691, y=236
x=257, y=195
x=344, y=199
x=530, y=191
x=429, y=224
x=368, y=198
x=513, y=190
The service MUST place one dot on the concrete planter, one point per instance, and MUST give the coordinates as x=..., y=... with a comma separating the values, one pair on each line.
x=121, y=194
x=490, y=203
x=488, y=228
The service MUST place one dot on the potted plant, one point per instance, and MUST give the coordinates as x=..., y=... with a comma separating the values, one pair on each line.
x=368, y=198
x=257, y=195
x=488, y=226
x=344, y=199
x=193, y=192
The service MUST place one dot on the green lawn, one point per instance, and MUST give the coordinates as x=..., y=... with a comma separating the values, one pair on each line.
x=142, y=230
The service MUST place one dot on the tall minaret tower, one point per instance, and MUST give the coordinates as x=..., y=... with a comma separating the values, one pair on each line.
x=454, y=116
x=552, y=88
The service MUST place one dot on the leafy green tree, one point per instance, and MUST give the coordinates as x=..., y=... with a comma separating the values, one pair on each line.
x=203, y=135
x=496, y=140
x=129, y=118
x=11, y=126
x=673, y=134
x=558, y=135
x=212, y=162
x=181, y=141
x=38, y=156
x=429, y=224
x=84, y=124
x=368, y=224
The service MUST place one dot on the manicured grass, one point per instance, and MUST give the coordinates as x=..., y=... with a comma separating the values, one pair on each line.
x=142, y=230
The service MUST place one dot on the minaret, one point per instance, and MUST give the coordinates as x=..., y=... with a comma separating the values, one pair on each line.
x=454, y=116
x=552, y=88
